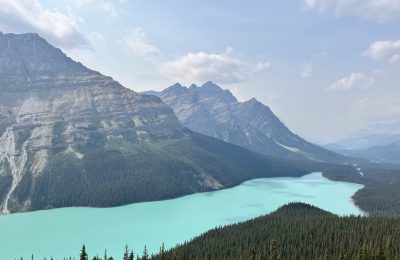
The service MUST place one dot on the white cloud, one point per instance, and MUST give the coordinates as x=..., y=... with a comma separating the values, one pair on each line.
x=136, y=43
x=388, y=51
x=353, y=81
x=20, y=16
x=374, y=10
x=222, y=68
x=307, y=68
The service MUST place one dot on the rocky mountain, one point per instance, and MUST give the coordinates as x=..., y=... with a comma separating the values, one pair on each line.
x=70, y=136
x=215, y=112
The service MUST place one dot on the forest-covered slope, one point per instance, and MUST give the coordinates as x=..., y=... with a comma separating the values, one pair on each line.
x=70, y=136
x=298, y=231
x=126, y=173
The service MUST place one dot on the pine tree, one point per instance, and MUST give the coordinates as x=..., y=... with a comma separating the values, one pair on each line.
x=162, y=252
x=342, y=255
x=126, y=253
x=381, y=253
x=176, y=254
x=253, y=255
x=389, y=249
x=145, y=254
x=131, y=256
x=83, y=255
x=105, y=254
x=273, y=255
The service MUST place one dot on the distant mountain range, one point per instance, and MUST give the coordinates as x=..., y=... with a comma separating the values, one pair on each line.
x=379, y=143
x=70, y=136
x=215, y=112
x=389, y=153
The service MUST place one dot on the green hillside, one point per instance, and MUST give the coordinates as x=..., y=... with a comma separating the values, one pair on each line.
x=298, y=231
x=125, y=172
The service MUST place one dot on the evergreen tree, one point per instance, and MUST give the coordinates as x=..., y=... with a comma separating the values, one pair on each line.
x=176, y=255
x=273, y=255
x=83, y=255
x=162, y=252
x=253, y=255
x=342, y=254
x=389, y=249
x=126, y=253
x=145, y=254
x=381, y=253
x=131, y=256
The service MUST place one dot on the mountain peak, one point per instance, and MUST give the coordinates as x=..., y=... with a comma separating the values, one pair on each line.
x=28, y=60
x=176, y=88
x=256, y=104
x=253, y=100
x=211, y=85
x=33, y=37
x=213, y=111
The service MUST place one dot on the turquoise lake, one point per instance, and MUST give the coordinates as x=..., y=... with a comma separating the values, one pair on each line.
x=61, y=232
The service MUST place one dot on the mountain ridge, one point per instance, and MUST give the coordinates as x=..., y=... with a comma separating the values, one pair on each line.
x=215, y=112
x=70, y=136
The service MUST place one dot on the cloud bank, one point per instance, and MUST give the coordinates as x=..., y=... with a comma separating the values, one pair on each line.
x=136, y=43
x=388, y=51
x=353, y=81
x=20, y=16
x=223, y=68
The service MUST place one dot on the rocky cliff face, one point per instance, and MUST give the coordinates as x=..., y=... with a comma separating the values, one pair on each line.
x=213, y=111
x=50, y=104
x=70, y=136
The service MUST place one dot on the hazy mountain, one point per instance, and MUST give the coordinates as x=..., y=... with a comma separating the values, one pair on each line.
x=376, y=134
x=379, y=142
x=389, y=153
x=215, y=112
x=70, y=136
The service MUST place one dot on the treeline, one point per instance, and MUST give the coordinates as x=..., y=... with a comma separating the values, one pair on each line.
x=300, y=232
x=125, y=172
x=381, y=195
x=294, y=232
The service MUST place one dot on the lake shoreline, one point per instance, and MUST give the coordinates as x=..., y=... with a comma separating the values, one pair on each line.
x=169, y=221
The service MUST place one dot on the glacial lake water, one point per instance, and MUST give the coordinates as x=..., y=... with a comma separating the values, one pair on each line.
x=61, y=232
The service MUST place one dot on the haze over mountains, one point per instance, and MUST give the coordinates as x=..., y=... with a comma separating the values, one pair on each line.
x=379, y=143
x=70, y=136
x=215, y=112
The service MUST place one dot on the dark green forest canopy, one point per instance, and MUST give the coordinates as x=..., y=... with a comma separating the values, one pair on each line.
x=381, y=193
x=149, y=171
x=298, y=231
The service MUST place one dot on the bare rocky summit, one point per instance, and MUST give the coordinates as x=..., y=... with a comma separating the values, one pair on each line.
x=215, y=112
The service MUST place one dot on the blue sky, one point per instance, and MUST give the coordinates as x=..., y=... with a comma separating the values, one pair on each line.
x=326, y=67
